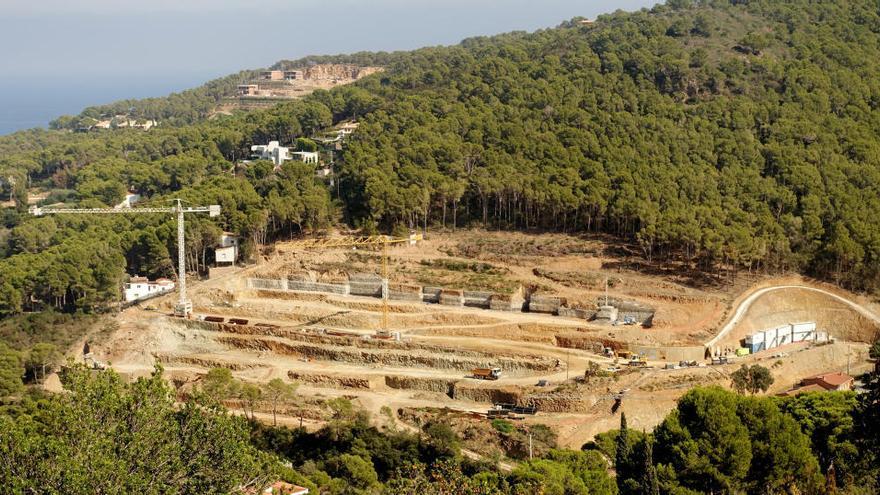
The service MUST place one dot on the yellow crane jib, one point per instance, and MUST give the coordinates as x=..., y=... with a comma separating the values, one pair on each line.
x=371, y=240
x=184, y=306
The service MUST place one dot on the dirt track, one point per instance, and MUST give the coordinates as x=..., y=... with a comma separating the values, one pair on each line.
x=741, y=314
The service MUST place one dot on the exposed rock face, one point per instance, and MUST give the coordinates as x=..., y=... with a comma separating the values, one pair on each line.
x=331, y=381
x=419, y=383
x=377, y=357
x=481, y=393
x=560, y=402
x=201, y=361
x=330, y=72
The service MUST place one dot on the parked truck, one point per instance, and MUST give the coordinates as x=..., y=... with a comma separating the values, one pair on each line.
x=486, y=373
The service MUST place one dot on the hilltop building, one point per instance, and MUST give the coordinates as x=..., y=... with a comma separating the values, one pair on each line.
x=826, y=382
x=226, y=250
x=306, y=156
x=141, y=288
x=248, y=90
x=278, y=154
x=273, y=152
x=272, y=75
x=346, y=129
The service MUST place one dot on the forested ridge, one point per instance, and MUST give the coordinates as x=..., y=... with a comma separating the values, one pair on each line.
x=726, y=134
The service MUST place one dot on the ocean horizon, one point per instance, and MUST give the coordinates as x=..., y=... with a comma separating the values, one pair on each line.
x=26, y=105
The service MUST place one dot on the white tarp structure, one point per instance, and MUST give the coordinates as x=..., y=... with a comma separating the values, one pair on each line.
x=786, y=334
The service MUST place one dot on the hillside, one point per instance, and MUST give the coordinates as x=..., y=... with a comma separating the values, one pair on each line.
x=720, y=134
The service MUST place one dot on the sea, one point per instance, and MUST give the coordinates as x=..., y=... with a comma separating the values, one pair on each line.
x=29, y=104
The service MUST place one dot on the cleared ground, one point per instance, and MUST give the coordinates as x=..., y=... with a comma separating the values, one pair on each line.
x=319, y=340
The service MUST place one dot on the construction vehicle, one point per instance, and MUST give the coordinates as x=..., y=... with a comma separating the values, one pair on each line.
x=184, y=306
x=513, y=408
x=719, y=360
x=373, y=240
x=638, y=360
x=486, y=373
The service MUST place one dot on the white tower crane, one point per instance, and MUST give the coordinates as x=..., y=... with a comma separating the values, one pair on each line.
x=184, y=306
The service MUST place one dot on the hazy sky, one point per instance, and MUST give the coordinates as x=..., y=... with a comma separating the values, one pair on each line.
x=58, y=56
x=180, y=39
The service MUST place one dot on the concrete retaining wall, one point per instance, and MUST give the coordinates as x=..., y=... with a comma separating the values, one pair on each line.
x=584, y=314
x=370, y=285
x=370, y=289
x=451, y=297
x=641, y=313
x=318, y=287
x=477, y=299
x=431, y=294
x=507, y=302
x=405, y=292
x=265, y=283
x=545, y=304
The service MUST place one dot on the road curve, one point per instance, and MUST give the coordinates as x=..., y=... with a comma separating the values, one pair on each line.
x=747, y=303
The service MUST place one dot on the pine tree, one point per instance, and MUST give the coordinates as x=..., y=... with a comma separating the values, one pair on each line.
x=650, y=484
x=867, y=421
x=622, y=455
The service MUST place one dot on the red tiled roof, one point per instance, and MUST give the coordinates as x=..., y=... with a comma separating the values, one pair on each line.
x=832, y=379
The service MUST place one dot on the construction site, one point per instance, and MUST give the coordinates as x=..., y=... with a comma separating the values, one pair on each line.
x=272, y=86
x=549, y=329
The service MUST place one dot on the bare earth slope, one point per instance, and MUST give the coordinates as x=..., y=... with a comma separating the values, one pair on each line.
x=321, y=340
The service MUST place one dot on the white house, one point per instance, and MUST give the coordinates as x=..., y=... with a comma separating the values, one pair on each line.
x=306, y=156
x=140, y=288
x=129, y=201
x=345, y=129
x=226, y=250
x=273, y=151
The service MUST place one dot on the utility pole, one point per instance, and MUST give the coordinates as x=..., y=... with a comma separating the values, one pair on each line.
x=184, y=306
x=606, y=291
x=530, y=444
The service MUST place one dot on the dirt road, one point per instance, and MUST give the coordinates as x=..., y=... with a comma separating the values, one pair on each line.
x=746, y=303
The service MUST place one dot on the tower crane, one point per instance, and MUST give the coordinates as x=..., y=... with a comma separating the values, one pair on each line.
x=184, y=306
x=372, y=240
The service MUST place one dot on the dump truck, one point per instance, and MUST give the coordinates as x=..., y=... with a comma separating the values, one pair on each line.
x=486, y=373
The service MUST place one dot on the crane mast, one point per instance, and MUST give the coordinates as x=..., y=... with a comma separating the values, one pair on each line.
x=184, y=306
x=375, y=240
